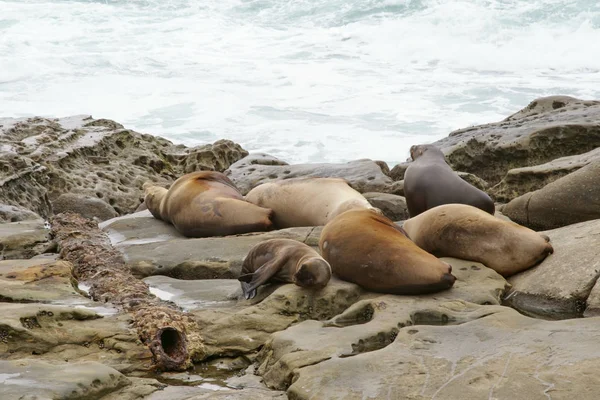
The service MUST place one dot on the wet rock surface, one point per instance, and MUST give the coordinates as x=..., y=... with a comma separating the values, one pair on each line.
x=362, y=175
x=43, y=158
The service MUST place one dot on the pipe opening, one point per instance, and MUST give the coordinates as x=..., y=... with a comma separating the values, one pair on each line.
x=171, y=342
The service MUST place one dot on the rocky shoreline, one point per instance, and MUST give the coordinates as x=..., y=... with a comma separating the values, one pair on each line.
x=532, y=336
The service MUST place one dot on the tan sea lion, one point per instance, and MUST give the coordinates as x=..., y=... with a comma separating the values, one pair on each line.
x=429, y=181
x=206, y=203
x=463, y=231
x=370, y=250
x=283, y=260
x=306, y=201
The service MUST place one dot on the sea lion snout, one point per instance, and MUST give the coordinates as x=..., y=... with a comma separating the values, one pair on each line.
x=448, y=280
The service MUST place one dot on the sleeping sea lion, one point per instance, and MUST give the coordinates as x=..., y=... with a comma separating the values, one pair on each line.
x=306, y=201
x=429, y=181
x=206, y=203
x=463, y=231
x=370, y=250
x=283, y=260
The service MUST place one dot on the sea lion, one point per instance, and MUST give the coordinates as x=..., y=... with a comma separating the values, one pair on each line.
x=370, y=250
x=429, y=181
x=463, y=231
x=206, y=203
x=306, y=201
x=283, y=260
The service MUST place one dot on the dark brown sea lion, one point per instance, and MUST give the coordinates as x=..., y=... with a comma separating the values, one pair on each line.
x=306, y=201
x=466, y=232
x=370, y=250
x=206, y=203
x=283, y=260
x=429, y=182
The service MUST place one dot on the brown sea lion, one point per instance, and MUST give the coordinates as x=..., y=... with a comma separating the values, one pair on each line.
x=306, y=201
x=463, y=231
x=370, y=250
x=206, y=203
x=283, y=260
x=429, y=181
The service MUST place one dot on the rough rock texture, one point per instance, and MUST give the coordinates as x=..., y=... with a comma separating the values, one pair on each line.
x=546, y=129
x=44, y=158
x=568, y=200
x=10, y=213
x=171, y=335
x=88, y=207
x=41, y=380
x=519, y=181
x=200, y=393
x=152, y=247
x=474, y=354
x=474, y=180
x=363, y=175
x=397, y=173
x=393, y=206
x=72, y=333
x=559, y=286
x=24, y=239
x=244, y=331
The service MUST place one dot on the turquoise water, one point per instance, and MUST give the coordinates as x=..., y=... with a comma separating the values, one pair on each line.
x=304, y=80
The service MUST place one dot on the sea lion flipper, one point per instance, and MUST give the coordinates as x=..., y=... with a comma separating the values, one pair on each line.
x=253, y=280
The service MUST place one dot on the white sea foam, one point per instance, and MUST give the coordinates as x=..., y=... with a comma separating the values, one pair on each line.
x=306, y=81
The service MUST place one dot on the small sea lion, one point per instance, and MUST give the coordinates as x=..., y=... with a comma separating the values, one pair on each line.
x=466, y=232
x=370, y=250
x=283, y=260
x=429, y=181
x=306, y=201
x=206, y=203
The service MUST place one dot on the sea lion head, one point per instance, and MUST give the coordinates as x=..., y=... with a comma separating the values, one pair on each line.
x=418, y=150
x=153, y=196
x=313, y=272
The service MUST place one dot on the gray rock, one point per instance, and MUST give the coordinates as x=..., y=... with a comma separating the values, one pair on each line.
x=480, y=352
x=393, y=206
x=24, y=239
x=474, y=180
x=519, y=181
x=34, y=379
x=559, y=286
x=568, y=200
x=10, y=213
x=42, y=159
x=214, y=393
x=153, y=247
x=548, y=128
x=397, y=173
x=363, y=175
x=88, y=207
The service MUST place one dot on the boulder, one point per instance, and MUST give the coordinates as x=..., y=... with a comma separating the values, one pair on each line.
x=24, y=239
x=548, y=128
x=568, y=200
x=34, y=379
x=397, y=173
x=476, y=352
x=393, y=206
x=559, y=287
x=43, y=158
x=363, y=175
x=474, y=180
x=519, y=181
x=88, y=207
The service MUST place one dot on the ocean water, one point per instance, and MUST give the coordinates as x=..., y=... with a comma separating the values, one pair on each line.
x=304, y=80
